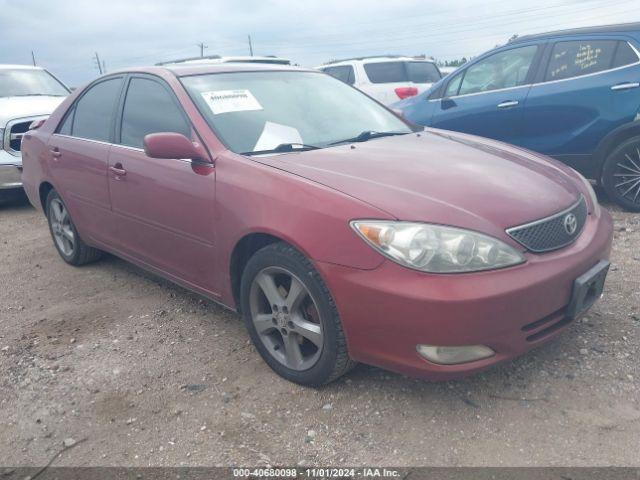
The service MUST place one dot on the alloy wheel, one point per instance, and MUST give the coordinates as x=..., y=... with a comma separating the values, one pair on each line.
x=286, y=318
x=627, y=175
x=61, y=227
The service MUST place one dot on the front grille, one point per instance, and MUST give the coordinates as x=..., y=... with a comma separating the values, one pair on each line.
x=552, y=232
x=16, y=133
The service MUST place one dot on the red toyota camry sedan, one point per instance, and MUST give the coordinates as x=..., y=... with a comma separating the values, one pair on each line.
x=341, y=233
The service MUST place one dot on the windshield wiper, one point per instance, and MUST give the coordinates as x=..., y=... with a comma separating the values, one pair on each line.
x=284, y=147
x=368, y=135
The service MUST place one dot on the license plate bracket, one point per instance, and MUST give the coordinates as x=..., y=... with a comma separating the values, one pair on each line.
x=587, y=288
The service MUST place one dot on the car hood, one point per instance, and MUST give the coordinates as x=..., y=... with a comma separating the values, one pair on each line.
x=442, y=177
x=12, y=108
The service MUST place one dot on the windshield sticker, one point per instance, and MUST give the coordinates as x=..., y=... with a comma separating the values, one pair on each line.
x=225, y=101
x=275, y=134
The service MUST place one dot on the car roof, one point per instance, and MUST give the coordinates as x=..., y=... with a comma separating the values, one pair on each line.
x=187, y=69
x=228, y=59
x=377, y=59
x=622, y=27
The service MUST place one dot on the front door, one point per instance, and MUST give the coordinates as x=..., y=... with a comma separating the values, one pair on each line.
x=164, y=208
x=487, y=98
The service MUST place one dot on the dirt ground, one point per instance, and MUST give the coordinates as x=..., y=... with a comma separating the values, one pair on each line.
x=143, y=373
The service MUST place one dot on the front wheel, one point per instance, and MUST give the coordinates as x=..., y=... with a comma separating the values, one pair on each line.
x=291, y=317
x=621, y=175
x=65, y=236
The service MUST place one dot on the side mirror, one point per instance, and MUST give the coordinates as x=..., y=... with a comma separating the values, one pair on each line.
x=173, y=145
x=447, y=103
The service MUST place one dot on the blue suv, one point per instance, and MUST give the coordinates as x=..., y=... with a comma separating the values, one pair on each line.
x=573, y=95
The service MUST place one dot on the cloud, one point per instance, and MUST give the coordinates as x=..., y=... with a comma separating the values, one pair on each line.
x=65, y=34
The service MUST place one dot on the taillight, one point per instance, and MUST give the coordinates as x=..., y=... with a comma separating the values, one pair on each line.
x=406, y=92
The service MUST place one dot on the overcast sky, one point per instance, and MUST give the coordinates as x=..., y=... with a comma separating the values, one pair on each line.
x=65, y=34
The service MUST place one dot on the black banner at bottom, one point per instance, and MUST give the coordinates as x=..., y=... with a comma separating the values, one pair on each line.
x=417, y=473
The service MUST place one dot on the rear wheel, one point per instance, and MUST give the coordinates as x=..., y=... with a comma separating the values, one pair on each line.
x=65, y=236
x=621, y=175
x=291, y=317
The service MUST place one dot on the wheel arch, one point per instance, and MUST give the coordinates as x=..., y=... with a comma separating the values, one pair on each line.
x=43, y=191
x=244, y=249
x=609, y=143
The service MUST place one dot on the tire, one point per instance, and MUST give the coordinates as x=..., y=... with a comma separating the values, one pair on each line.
x=64, y=234
x=621, y=175
x=305, y=344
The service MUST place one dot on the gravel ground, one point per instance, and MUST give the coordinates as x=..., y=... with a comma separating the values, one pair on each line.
x=143, y=373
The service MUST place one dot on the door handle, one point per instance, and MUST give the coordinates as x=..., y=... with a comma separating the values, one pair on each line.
x=625, y=86
x=509, y=104
x=55, y=152
x=117, y=170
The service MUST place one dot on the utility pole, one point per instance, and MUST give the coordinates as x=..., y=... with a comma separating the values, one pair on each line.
x=104, y=66
x=250, y=46
x=202, y=47
x=33, y=57
x=98, y=64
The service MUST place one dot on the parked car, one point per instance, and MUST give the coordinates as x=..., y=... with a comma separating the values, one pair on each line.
x=573, y=95
x=388, y=78
x=339, y=231
x=272, y=60
x=26, y=94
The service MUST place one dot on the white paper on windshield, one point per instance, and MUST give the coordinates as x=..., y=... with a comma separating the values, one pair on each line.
x=224, y=101
x=275, y=134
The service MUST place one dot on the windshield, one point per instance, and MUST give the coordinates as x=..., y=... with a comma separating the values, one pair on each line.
x=26, y=82
x=259, y=111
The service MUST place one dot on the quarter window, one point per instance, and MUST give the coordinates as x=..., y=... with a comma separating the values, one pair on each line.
x=454, y=86
x=93, y=115
x=577, y=58
x=150, y=108
x=341, y=72
x=625, y=55
x=505, y=69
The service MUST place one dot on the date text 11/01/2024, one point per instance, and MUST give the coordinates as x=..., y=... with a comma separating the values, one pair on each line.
x=367, y=472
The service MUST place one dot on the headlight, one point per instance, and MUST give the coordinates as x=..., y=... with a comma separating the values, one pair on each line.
x=592, y=194
x=436, y=248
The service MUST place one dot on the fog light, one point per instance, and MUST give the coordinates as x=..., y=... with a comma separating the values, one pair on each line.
x=454, y=355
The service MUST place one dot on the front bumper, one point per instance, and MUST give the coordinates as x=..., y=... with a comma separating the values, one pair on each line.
x=10, y=171
x=388, y=311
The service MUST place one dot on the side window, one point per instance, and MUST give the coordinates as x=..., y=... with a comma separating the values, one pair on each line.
x=93, y=114
x=501, y=70
x=150, y=108
x=454, y=86
x=342, y=72
x=577, y=58
x=65, y=128
x=625, y=55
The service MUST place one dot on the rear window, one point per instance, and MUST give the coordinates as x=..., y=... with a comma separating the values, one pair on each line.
x=625, y=55
x=578, y=58
x=398, y=72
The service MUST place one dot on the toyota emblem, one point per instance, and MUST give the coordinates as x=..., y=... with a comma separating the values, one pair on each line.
x=570, y=223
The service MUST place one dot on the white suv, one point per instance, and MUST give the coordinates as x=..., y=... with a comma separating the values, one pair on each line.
x=27, y=94
x=387, y=79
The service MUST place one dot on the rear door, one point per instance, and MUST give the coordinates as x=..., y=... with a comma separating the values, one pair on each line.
x=586, y=88
x=487, y=97
x=164, y=208
x=79, y=157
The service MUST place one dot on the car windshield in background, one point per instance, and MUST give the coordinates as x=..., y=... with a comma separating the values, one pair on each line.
x=260, y=112
x=28, y=82
x=397, y=72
